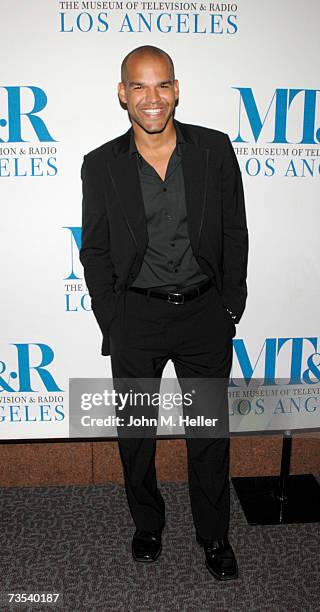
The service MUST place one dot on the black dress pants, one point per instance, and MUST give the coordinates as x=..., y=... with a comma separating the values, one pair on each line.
x=197, y=336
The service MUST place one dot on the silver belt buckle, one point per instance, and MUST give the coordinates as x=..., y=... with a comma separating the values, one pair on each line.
x=172, y=298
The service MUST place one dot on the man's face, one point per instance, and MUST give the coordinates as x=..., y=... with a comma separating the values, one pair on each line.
x=149, y=92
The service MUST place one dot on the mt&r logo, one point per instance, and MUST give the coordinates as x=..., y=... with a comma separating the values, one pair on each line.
x=21, y=121
x=286, y=131
x=76, y=294
x=29, y=392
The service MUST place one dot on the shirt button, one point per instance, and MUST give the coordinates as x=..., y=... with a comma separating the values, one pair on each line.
x=164, y=189
x=172, y=244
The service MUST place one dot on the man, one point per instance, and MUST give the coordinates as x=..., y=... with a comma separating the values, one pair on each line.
x=164, y=250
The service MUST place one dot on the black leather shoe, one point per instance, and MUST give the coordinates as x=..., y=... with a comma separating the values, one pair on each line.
x=220, y=559
x=146, y=546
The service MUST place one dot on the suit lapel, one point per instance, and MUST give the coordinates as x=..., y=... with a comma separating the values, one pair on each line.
x=124, y=175
x=195, y=171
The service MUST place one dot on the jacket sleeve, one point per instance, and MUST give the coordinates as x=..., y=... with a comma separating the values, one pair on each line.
x=95, y=248
x=235, y=234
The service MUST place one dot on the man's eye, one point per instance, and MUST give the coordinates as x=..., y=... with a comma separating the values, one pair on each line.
x=164, y=85
x=137, y=87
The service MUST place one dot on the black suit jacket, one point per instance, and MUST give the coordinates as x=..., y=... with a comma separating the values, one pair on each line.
x=114, y=228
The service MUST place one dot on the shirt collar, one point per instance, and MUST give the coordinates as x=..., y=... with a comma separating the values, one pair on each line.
x=180, y=140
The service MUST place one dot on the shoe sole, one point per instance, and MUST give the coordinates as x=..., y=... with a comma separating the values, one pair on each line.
x=148, y=560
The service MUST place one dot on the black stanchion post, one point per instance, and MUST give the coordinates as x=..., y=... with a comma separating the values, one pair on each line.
x=284, y=472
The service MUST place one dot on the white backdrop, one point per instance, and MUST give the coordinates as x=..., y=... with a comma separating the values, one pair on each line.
x=249, y=69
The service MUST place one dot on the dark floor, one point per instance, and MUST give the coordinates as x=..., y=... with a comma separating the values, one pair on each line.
x=77, y=541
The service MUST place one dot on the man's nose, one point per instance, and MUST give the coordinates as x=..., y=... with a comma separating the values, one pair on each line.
x=152, y=94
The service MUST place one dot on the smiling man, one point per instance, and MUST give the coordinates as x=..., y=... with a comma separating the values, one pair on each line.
x=164, y=250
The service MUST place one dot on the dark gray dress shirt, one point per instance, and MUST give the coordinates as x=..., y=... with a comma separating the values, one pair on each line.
x=169, y=260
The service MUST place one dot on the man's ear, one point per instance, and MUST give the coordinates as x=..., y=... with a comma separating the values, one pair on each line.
x=122, y=92
x=176, y=88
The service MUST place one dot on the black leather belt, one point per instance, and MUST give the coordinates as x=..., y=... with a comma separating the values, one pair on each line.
x=174, y=297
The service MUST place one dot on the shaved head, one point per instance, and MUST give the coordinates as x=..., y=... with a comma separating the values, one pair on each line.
x=145, y=50
x=148, y=90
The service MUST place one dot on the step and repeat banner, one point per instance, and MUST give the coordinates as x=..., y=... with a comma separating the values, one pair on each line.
x=247, y=68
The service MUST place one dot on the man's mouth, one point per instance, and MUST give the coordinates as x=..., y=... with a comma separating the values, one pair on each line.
x=152, y=112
